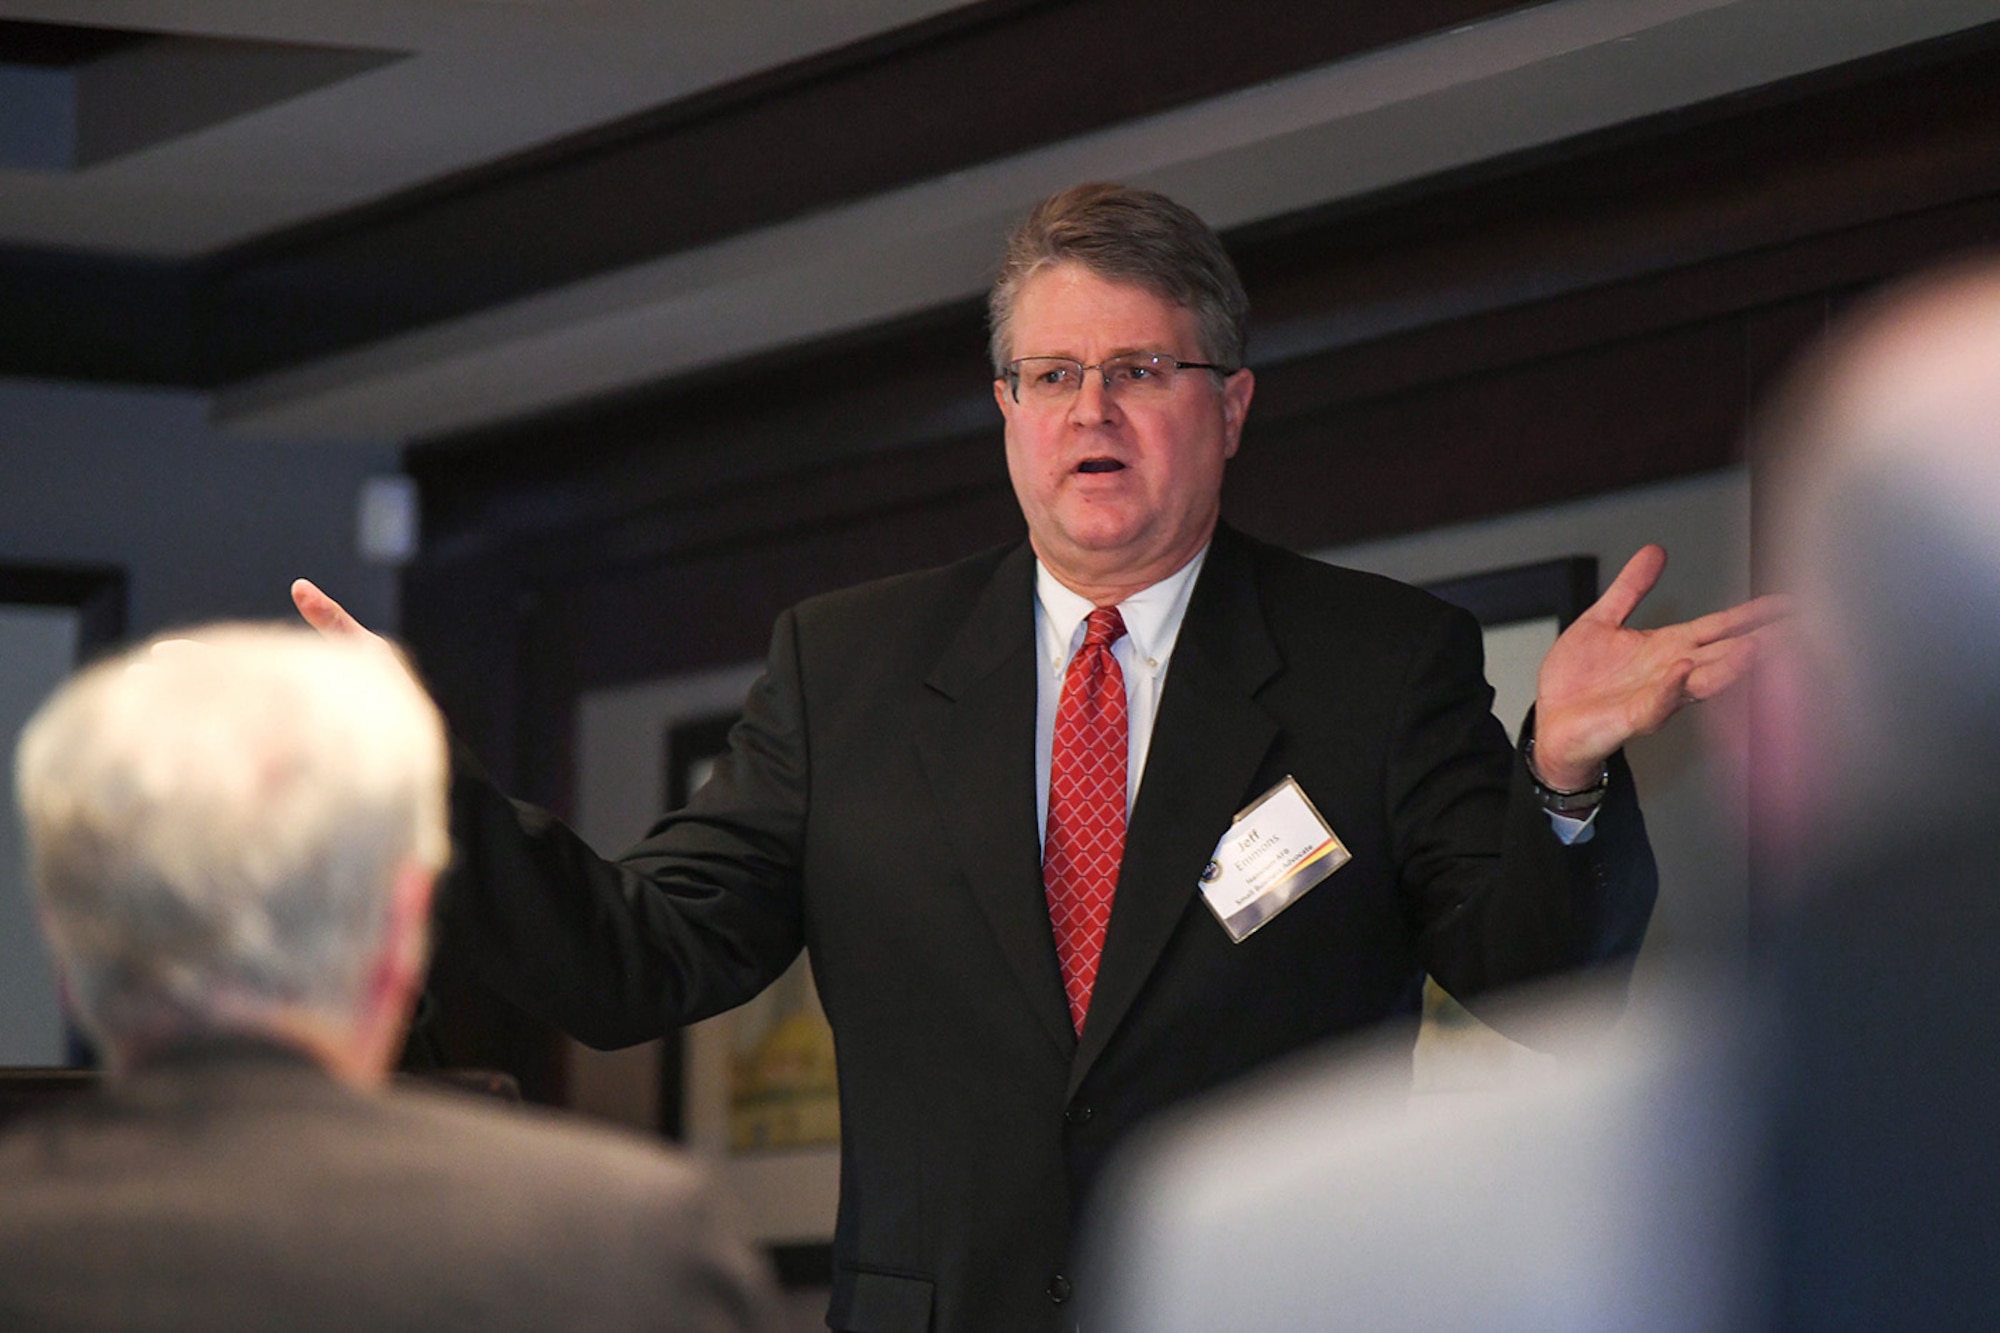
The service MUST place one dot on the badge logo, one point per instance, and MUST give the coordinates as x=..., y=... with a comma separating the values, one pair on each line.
x=1210, y=872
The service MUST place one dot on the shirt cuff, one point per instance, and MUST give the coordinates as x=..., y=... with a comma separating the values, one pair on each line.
x=1571, y=831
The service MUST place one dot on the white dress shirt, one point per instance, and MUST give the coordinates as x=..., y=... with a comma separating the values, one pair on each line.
x=1152, y=624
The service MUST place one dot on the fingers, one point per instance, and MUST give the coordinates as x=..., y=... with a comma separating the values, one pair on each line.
x=322, y=612
x=1742, y=619
x=1671, y=693
x=1634, y=581
x=1721, y=666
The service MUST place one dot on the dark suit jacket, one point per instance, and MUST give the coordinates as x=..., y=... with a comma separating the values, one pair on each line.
x=878, y=806
x=237, y=1186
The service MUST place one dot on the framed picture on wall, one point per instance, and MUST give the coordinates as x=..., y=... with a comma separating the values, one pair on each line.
x=1521, y=610
x=754, y=1090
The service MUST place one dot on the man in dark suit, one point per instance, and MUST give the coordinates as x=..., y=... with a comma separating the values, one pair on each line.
x=233, y=845
x=985, y=798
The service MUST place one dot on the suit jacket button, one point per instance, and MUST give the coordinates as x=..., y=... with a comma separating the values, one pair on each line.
x=1079, y=1114
x=1059, y=1288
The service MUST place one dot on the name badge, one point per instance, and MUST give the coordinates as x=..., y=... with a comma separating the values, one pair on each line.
x=1277, y=848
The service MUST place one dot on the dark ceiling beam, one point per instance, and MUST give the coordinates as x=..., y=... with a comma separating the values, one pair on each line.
x=976, y=83
x=88, y=317
x=1883, y=137
x=60, y=45
x=983, y=82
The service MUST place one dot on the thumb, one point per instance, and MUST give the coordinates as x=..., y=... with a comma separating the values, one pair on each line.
x=323, y=613
x=1634, y=581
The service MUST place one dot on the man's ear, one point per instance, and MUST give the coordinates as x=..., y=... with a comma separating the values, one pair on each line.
x=401, y=962
x=1236, y=392
x=406, y=943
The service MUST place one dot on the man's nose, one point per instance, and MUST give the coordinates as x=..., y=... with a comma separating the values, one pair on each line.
x=1093, y=402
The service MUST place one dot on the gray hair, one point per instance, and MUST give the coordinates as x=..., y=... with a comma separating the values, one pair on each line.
x=213, y=827
x=1132, y=236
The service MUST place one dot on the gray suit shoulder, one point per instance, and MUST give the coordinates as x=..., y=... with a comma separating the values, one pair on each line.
x=268, y=1197
x=522, y=1137
x=636, y=1235
x=668, y=1246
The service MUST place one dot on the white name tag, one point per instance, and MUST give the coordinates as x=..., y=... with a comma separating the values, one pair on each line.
x=1277, y=848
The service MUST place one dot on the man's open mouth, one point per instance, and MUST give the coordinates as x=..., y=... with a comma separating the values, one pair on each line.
x=1100, y=465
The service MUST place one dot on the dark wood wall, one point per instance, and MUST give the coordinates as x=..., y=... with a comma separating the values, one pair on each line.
x=1572, y=321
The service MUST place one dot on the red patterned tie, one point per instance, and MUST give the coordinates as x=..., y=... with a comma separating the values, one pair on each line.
x=1086, y=834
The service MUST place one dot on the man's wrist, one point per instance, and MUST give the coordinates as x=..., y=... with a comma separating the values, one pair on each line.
x=1575, y=802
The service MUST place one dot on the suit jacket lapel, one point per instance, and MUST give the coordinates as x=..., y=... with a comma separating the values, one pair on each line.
x=1208, y=740
x=977, y=749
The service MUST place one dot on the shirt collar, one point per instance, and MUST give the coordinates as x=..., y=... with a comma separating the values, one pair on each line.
x=1152, y=615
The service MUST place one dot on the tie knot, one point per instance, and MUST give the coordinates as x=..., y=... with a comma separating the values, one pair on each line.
x=1104, y=627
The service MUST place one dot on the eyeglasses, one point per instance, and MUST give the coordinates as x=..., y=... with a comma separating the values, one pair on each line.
x=1051, y=381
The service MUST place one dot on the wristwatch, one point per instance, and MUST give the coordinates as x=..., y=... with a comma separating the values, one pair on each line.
x=1575, y=804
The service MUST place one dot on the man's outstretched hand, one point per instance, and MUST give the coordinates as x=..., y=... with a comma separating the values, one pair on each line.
x=1604, y=683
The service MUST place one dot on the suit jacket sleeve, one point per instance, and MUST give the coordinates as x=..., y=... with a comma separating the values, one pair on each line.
x=696, y=918
x=1491, y=916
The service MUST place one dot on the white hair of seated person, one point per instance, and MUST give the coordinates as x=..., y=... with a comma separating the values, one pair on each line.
x=238, y=836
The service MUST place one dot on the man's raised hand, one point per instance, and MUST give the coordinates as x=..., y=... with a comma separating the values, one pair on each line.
x=1604, y=682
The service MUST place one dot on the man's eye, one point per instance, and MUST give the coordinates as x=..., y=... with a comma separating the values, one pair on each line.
x=1144, y=370
x=1056, y=375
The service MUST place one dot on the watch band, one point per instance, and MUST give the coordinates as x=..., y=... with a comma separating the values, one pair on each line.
x=1555, y=800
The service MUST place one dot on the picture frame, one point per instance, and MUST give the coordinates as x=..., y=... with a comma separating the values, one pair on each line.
x=1561, y=588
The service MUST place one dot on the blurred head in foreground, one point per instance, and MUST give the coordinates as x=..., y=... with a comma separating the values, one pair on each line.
x=237, y=834
x=1876, y=763
x=1879, y=510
